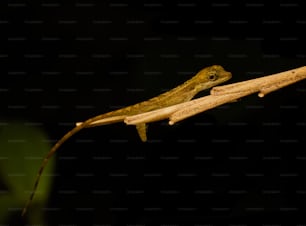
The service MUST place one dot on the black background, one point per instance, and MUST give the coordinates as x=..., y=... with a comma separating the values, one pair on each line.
x=239, y=164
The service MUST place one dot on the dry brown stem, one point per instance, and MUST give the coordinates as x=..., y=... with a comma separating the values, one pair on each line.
x=220, y=95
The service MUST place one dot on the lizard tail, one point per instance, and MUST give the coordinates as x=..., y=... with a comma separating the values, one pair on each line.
x=46, y=159
x=76, y=129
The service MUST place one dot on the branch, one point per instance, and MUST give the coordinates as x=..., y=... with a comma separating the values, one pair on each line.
x=220, y=95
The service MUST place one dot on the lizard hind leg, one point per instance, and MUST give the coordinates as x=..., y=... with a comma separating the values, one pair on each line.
x=142, y=131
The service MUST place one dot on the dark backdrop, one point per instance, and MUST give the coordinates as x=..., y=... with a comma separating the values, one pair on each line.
x=239, y=164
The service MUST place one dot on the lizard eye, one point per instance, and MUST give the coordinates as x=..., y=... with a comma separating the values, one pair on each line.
x=212, y=76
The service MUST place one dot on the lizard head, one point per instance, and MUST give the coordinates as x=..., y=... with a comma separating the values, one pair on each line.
x=211, y=76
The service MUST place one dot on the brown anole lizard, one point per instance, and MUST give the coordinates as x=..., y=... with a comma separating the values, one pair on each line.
x=204, y=79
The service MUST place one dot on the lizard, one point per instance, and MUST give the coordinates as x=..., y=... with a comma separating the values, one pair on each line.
x=206, y=78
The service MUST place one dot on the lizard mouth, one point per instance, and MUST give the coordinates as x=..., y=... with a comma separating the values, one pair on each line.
x=227, y=75
x=224, y=76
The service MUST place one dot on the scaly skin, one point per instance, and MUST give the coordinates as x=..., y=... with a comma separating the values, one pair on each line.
x=204, y=79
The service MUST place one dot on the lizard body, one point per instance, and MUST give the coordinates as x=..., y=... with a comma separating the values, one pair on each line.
x=204, y=79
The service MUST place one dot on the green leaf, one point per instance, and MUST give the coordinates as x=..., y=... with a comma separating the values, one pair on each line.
x=22, y=149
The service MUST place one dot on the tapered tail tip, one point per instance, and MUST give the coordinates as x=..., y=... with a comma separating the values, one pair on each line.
x=23, y=212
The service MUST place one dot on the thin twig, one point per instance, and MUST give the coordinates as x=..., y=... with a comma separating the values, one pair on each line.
x=220, y=95
x=265, y=84
x=204, y=104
